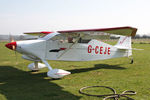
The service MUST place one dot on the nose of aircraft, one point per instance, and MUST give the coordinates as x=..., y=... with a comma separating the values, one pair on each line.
x=11, y=45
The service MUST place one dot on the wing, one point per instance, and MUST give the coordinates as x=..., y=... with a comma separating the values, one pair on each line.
x=127, y=31
x=43, y=33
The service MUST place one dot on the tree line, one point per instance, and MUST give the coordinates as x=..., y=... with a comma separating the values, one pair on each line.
x=141, y=37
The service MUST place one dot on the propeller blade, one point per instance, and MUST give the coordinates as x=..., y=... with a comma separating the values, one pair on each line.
x=16, y=57
x=11, y=39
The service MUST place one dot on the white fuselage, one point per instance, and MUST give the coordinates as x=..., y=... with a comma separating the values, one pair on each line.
x=55, y=50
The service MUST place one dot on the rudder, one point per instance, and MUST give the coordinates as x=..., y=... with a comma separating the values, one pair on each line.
x=124, y=41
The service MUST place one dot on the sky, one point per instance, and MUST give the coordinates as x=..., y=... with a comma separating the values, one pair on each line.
x=19, y=16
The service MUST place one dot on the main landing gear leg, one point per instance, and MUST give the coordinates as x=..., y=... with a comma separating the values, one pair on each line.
x=36, y=69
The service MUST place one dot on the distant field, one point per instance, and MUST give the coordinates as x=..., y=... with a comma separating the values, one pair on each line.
x=18, y=83
x=141, y=41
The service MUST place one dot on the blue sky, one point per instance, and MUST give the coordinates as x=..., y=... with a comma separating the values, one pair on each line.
x=18, y=16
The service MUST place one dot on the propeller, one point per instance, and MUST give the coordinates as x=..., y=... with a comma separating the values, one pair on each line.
x=11, y=39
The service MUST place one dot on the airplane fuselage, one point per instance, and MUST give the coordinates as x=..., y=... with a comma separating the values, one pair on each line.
x=55, y=50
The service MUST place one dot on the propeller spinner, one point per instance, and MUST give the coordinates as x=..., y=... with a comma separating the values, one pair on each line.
x=11, y=45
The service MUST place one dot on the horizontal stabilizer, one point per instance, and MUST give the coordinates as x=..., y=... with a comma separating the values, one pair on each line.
x=126, y=48
x=122, y=47
x=136, y=49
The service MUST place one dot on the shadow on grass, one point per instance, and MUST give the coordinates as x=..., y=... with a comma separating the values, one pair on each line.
x=20, y=85
x=96, y=67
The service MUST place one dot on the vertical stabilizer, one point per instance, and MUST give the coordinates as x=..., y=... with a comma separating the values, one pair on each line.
x=124, y=42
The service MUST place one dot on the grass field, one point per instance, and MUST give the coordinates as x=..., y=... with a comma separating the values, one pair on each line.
x=18, y=83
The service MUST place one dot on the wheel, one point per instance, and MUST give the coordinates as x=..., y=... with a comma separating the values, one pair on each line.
x=131, y=61
x=34, y=70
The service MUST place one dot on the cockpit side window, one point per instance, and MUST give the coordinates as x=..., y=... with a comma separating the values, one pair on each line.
x=70, y=38
x=82, y=40
x=64, y=38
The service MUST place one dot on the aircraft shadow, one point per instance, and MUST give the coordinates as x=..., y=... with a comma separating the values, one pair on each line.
x=96, y=67
x=16, y=84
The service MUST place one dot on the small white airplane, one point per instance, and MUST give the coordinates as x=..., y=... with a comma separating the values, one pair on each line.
x=73, y=45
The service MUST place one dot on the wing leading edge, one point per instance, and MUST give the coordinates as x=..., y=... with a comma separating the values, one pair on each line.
x=127, y=31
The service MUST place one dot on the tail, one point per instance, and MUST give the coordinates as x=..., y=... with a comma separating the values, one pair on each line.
x=124, y=43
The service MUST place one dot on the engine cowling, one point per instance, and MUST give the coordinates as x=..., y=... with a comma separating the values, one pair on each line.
x=32, y=66
x=57, y=73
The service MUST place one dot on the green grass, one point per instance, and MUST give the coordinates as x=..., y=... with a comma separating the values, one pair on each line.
x=18, y=83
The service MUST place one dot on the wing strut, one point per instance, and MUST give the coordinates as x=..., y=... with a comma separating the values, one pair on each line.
x=70, y=47
x=47, y=64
